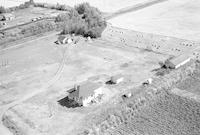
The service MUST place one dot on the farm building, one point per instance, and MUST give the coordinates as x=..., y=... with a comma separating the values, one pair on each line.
x=177, y=61
x=86, y=93
x=1, y=17
x=7, y=16
x=64, y=40
x=115, y=79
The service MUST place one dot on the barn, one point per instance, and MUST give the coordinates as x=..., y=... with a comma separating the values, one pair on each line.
x=177, y=62
x=85, y=93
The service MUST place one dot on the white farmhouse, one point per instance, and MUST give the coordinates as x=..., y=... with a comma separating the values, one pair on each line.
x=117, y=79
x=85, y=93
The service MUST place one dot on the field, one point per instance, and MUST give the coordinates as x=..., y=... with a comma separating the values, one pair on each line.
x=191, y=84
x=176, y=18
x=103, y=5
x=168, y=115
x=11, y=3
x=152, y=42
x=26, y=15
x=25, y=67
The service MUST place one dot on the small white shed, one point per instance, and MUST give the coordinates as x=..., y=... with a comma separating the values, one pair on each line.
x=64, y=40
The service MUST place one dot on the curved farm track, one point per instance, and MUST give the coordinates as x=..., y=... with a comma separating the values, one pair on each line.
x=3, y=109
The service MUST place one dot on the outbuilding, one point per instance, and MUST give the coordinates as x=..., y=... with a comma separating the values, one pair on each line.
x=177, y=62
x=85, y=93
x=64, y=40
x=115, y=79
x=7, y=16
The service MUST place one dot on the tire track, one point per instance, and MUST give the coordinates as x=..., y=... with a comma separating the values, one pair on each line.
x=44, y=88
x=133, y=8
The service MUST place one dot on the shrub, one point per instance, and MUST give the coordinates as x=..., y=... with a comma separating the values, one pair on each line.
x=39, y=27
x=53, y=6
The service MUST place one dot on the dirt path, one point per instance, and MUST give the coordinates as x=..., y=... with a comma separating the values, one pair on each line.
x=27, y=40
x=3, y=109
x=133, y=8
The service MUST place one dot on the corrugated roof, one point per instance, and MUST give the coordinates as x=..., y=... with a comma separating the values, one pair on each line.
x=87, y=89
x=180, y=59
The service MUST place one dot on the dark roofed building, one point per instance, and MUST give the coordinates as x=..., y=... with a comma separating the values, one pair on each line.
x=85, y=93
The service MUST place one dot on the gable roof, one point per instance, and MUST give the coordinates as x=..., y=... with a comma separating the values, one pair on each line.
x=61, y=38
x=87, y=89
x=180, y=59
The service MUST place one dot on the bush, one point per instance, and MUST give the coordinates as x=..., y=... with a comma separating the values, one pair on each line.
x=83, y=20
x=2, y=10
x=53, y=6
x=39, y=27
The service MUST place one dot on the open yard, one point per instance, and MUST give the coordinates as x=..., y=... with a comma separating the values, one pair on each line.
x=29, y=67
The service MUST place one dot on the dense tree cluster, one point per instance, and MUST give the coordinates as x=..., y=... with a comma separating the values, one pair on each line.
x=83, y=20
x=2, y=10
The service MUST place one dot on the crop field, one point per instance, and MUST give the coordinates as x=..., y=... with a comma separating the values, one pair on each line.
x=169, y=114
x=152, y=42
x=104, y=5
x=191, y=83
x=176, y=18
